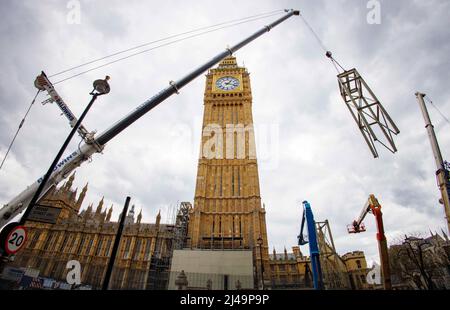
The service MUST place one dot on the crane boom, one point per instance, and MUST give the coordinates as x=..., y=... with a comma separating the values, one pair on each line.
x=373, y=206
x=313, y=247
x=366, y=209
x=442, y=174
x=77, y=157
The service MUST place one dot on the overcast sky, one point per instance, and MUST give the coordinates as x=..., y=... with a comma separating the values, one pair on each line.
x=314, y=151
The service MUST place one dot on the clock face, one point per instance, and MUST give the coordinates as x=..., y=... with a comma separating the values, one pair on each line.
x=227, y=83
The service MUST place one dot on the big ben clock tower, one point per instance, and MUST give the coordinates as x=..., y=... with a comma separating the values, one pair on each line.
x=227, y=212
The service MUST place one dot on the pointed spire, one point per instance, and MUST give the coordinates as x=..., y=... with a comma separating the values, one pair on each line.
x=81, y=197
x=131, y=212
x=274, y=254
x=100, y=206
x=69, y=183
x=129, y=218
x=285, y=253
x=139, y=217
x=445, y=235
x=73, y=194
x=88, y=212
x=158, y=218
x=108, y=216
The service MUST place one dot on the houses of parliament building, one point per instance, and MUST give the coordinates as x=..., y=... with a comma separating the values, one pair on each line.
x=227, y=214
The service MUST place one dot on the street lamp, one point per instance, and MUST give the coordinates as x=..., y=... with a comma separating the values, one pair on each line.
x=100, y=87
x=260, y=242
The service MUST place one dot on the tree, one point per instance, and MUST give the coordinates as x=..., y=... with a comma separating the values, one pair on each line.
x=422, y=262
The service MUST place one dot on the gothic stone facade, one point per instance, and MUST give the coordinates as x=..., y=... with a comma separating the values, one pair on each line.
x=88, y=236
x=293, y=271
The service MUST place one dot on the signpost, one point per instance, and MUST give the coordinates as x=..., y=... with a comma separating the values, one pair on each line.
x=44, y=214
x=12, y=238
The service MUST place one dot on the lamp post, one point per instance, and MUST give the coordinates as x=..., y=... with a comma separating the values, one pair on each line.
x=260, y=242
x=101, y=87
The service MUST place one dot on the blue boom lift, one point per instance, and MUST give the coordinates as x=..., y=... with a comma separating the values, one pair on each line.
x=313, y=247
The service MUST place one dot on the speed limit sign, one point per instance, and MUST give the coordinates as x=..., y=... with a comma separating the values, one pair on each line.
x=13, y=238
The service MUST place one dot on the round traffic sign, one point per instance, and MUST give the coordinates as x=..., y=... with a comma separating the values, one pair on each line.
x=14, y=237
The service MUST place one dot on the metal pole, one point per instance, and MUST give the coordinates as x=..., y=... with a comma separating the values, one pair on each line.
x=441, y=171
x=4, y=259
x=331, y=235
x=55, y=162
x=262, y=266
x=112, y=258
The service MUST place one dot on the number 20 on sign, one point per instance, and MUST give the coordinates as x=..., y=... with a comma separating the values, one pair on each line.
x=13, y=238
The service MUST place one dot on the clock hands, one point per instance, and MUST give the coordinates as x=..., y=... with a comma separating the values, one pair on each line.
x=227, y=83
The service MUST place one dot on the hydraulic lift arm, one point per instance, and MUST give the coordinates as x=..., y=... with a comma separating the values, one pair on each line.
x=77, y=157
x=313, y=247
x=373, y=206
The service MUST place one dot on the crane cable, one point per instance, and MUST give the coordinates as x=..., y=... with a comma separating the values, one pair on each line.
x=439, y=111
x=162, y=39
x=18, y=129
x=223, y=25
x=322, y=45
x=233, y=23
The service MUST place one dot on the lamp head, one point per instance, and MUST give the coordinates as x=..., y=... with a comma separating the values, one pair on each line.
x=101, y=87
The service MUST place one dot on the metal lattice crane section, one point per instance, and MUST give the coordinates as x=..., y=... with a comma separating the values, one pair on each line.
x=367, y=111
x=334, y=268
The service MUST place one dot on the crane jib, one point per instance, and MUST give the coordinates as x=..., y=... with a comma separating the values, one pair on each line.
x=61, y=164
x=63, y=168
x=175, y=86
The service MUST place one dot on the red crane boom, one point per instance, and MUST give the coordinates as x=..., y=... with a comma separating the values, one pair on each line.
x=373, y=206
